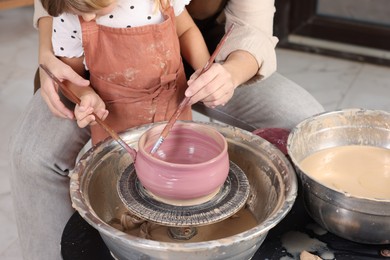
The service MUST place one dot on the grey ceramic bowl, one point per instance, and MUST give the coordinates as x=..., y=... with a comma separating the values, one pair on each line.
x=357, y=219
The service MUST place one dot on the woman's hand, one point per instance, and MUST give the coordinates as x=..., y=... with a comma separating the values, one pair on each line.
x=90, y=103
x=214, y=87
x=49, y=90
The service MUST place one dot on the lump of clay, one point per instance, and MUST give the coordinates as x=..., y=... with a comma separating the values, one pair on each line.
x=307, y=256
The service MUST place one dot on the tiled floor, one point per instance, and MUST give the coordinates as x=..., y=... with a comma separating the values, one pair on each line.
x=335, y=83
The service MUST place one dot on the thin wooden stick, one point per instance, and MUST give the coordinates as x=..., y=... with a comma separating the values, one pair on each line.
x=185, y=101
x=75, y=99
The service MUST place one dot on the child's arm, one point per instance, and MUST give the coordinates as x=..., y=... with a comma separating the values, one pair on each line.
x=192, y=45
x=59, y=69
x=215, y=86
x=90, y=101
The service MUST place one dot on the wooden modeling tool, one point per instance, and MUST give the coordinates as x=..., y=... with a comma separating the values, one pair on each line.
x=185, y=101
x=75, y=99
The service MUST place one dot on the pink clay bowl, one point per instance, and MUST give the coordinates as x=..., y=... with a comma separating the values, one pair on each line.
x=192, y=162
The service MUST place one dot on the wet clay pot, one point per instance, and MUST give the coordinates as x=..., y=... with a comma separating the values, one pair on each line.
x=192, y=162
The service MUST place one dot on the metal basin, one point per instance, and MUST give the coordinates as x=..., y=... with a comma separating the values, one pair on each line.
x=362, y=220
x=272, y=182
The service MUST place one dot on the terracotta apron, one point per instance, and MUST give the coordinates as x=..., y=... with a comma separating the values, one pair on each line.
x=138, y=72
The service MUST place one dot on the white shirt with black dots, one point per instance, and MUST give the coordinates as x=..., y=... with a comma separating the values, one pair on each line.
x=67, y=35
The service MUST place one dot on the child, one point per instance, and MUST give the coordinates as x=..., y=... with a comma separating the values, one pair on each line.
x=132, y=51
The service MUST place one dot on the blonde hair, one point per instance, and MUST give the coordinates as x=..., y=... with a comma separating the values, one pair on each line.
x=57, y=7
x=161, y=4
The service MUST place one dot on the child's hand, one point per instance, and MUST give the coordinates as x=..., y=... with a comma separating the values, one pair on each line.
x=214, y=87
x=90, y=102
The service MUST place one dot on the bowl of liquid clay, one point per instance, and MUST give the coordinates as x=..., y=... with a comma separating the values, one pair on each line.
x=343, y=161
x=192, y=163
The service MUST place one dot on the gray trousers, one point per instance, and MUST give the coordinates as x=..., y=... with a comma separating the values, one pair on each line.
x=44, y=149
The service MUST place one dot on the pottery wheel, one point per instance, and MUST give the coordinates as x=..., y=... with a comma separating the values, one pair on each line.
x=230, y=199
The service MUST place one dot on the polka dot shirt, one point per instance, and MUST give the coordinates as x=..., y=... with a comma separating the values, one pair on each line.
x=67, y=35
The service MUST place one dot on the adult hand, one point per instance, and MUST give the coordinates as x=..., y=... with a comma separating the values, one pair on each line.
x=214, y=87
x=49, y=90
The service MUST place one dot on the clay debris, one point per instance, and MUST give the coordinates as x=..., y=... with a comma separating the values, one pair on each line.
x=307, y=256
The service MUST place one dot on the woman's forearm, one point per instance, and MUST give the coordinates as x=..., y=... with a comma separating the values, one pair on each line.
x=242, y=66
x=253, y=33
